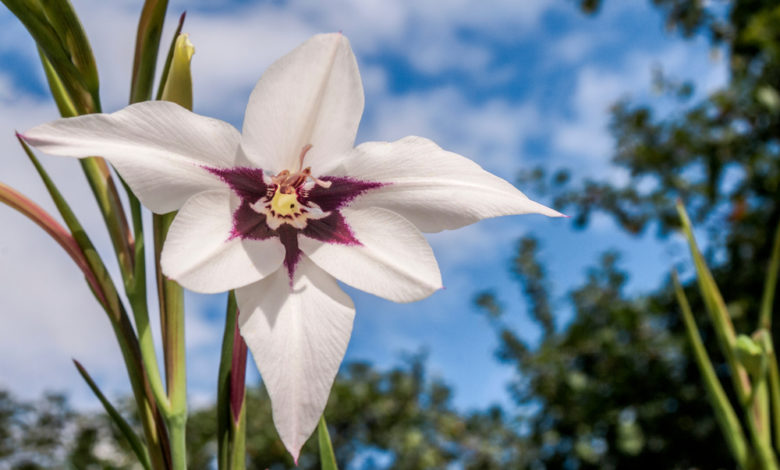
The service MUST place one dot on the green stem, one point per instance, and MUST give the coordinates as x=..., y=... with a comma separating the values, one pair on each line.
x=147, y=409
x=766, y=456
x=172, y=321
x=136, y=294
x=724, y=412
x=177, y=425
x=149, y=354
x=716, y=307
x=107, y=197
x=238, y=436
x=224, y=419
x=770, y=285
x=774, y=395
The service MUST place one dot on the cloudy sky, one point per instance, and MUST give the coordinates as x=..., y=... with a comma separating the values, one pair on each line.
x=511, y=84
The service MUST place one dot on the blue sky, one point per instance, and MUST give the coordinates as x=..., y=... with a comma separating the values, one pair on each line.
x=513, y=85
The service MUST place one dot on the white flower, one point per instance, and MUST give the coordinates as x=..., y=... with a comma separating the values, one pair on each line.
x=283, y=210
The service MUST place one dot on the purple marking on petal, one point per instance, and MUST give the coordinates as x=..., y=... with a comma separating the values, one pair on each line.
x=250, y=187
x=249, y=224
x=340, y=193
x=331, y=229
x=288, y=235
x=246, y=182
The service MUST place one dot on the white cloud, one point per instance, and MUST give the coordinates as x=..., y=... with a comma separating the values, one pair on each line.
x=585, y=134
x=490, y=133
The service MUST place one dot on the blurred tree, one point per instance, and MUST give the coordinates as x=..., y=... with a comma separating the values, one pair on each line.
x=615, y=387
x=719, y=155
x=396, y=419
x=47, y=433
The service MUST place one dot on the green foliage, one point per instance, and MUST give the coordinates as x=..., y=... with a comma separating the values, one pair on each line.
x=614, y=388
x=405, y=420
x=47, y=434
x=618, y=386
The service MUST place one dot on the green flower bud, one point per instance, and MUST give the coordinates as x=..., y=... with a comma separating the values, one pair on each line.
x=751, y=355
x=178, y=86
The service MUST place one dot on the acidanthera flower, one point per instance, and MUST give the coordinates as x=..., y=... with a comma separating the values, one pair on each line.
x=283, y=210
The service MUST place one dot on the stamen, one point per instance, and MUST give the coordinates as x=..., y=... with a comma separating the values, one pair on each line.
x=304, y=150
x=322, y=183
x=288, y=182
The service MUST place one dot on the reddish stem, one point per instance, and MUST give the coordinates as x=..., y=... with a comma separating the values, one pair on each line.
x=37, y=214
x=237, y=373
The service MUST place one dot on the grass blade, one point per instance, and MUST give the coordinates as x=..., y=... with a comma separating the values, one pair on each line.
x=139, y=449
x=147, y=45
x=65, y=22
x=716, y=307
x=770, y=284
x=724, y=412
x=327, y=456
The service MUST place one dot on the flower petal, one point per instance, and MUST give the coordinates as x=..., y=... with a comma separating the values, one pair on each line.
x=313, y=95
x=158, y=147
x=298, y=338
x=393, y=259
x=200, y=254
x=435, y=189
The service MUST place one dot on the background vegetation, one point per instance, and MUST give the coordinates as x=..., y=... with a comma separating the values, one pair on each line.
x=616, y=387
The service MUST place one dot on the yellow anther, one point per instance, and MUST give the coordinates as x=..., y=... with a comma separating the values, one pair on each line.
x=285, y=204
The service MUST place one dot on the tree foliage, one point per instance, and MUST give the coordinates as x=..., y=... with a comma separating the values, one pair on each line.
x=616, y=387
x=399, y=418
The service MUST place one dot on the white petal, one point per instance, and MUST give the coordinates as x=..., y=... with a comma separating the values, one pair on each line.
x=313, y=95
x=200, y=254
x=394, y=261
x=435, y=189
x=298, y=338
x=158, y=148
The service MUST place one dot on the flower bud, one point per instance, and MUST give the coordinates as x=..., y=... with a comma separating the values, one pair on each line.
x=751, y=354
x=178, y=86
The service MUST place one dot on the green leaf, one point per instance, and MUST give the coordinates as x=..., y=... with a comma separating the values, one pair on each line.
x=147, y=45
x=135, y=443
x=717, y=310
x=770, y=284
x=104, y=288
x=724, y=412
x=107, y=291
x=34, y=18
x=327, y=457
x=58, y=92
x=238, y=440
x=66, y=23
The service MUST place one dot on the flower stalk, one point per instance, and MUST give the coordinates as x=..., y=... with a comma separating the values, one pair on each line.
x=177, y=88
x=724, y=412
x=231, y=394
x=752, y=363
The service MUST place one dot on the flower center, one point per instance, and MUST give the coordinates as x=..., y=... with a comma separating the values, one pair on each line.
x=287, y=200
